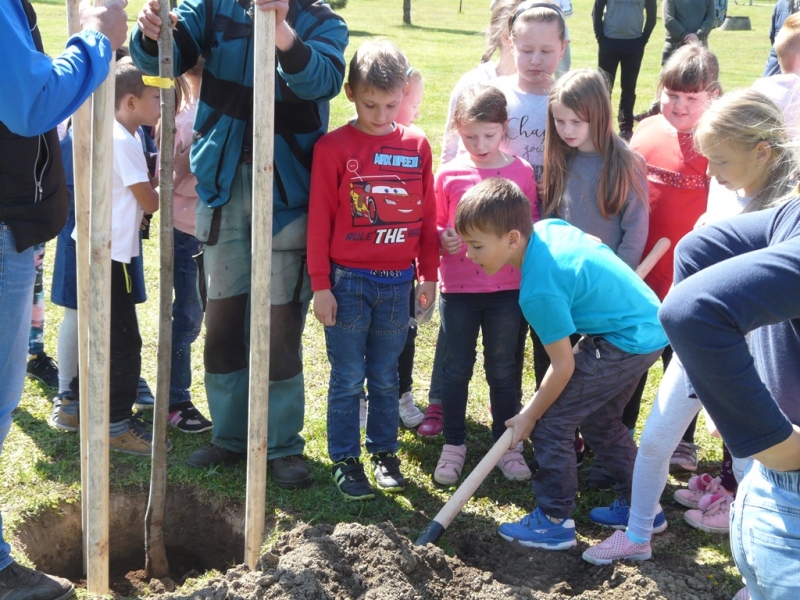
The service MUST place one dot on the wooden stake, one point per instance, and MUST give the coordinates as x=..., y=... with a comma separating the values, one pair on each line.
x=82, y=178
x=156, y=564
x=95, y=405
x=261, y=259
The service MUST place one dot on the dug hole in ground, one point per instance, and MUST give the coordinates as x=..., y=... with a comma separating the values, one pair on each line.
x=348, y=561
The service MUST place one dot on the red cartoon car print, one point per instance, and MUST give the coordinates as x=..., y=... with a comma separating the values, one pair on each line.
x=384, y=201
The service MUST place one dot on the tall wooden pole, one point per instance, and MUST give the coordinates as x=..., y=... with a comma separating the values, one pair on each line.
x=82, y=177
x=263, y=147
x=95, y=405
x=156, y=564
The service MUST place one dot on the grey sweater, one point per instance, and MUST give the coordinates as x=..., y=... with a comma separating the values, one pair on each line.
x=626, y=232
x=682, y=17
x=624, y=19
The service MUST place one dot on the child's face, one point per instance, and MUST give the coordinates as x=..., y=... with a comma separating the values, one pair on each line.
x=737, y=168
x=482, y=140
x=487, y=250
x=537, y=49
x=571, y=128
x=682, y=110
x=377, y=110
x=148, y=107
x=409, y=107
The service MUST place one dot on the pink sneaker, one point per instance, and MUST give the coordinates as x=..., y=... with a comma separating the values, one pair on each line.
x=699, y=486
x=617, y=547
x=432, y=421
x=450, y=465
x=513, y=465
x=712, y=513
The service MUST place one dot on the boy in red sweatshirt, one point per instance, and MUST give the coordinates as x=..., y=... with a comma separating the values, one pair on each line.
x=372, y=212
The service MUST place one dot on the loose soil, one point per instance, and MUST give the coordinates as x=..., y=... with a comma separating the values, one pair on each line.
x=378, y=562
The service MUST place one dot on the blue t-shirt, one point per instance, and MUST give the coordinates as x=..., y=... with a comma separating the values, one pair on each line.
x=573, y=284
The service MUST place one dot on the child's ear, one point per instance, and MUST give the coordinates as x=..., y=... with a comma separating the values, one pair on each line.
x=763, y=153
x=129, y=102
x=514, y=238
x=348, y=90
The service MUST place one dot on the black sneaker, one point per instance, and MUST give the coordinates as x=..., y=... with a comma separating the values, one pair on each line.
x=351, y=480
x=387, y=472
x=213, y=455
x=44, y=369
x=187, y=418
x=21, y=582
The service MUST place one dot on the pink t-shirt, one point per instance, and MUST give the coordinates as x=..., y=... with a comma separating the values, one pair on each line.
x=184, y=198
x=457, y=273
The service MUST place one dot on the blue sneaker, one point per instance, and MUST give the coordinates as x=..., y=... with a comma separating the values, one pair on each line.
x=617, y=514
x=537, y=531
x=144, y=397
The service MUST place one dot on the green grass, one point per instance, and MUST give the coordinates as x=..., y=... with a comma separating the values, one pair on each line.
x=40, y=465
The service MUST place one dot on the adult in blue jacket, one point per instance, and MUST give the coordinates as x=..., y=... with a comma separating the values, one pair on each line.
x=38, y=93
x=310, y=41
x=733, y=278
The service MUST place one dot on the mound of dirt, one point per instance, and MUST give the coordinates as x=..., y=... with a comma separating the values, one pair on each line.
x=377, y=562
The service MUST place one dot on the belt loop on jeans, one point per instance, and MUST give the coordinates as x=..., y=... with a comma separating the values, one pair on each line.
x=247, y=156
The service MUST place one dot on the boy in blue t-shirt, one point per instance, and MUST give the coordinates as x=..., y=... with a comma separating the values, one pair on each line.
x=571, y=283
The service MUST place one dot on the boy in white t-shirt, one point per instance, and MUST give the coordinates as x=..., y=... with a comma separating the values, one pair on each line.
x=133, y=195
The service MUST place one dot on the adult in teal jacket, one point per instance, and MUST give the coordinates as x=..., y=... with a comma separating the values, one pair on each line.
x=310, y=41
x=38, y=93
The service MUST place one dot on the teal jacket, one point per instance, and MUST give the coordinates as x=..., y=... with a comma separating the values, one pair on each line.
x=307, y=77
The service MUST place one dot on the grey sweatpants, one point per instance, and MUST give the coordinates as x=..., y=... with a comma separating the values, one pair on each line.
x=604, y=379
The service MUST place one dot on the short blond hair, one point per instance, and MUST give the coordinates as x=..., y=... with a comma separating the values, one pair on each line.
x=378, y=65
x=787, y=43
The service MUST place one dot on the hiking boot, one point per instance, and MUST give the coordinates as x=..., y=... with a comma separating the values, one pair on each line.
x=43, y=369
x=684, y=458
x=349, y=477
x=136, y=440
x=617, y=547
x=290, y=472
x=21, y=583
x=600, y=478
x=698, y=486
x=451, y=463
x=185, y=417
x=144, y=396
x=431, y=425
x=387, y=472
x=616, y=516
x=65, y=414
x=712, y=514
x=213, y=455
x=410, y=415
x=513, y=465
x=536, y=530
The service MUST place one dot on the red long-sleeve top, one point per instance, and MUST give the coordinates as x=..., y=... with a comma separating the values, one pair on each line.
x=372, y=204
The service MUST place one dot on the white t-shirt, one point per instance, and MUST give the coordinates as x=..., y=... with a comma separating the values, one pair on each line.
x=527, y=120
x=130, y=167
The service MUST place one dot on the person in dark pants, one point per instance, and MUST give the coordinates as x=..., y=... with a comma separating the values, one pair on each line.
x=622, y=32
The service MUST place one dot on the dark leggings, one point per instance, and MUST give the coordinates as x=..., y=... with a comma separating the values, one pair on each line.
x=126, y=345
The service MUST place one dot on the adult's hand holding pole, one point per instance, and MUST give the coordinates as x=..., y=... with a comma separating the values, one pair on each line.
x=110, y=19
x=149, y=21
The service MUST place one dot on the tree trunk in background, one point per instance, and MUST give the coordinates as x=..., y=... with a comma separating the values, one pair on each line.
x=407, y=12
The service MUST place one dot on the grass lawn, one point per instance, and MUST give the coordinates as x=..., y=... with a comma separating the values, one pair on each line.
x=40, y=466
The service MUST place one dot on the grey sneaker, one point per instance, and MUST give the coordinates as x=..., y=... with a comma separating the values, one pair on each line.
x=65, y=416
x=684, y=458
x=21, y=583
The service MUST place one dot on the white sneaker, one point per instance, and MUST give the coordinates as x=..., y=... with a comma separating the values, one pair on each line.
x=409, y=413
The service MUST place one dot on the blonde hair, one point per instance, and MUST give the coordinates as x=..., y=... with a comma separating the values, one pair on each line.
x=480, y=102
x=378, y=65
x=498, y=26
x=538, y=11
x=746, y=118
x=585, y=92
x=787, y=41
x=692, y=68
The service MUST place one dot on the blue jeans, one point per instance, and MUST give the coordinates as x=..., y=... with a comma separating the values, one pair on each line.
x=17, y=274
x=369, y=335
x=498, y=316
x=187, y=316
x=765, y=532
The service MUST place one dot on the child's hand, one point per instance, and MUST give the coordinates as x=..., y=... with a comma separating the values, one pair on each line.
x=325, y=307
x=540, y=189
x=425, y=294
x=451, y=241
x=522, y=426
